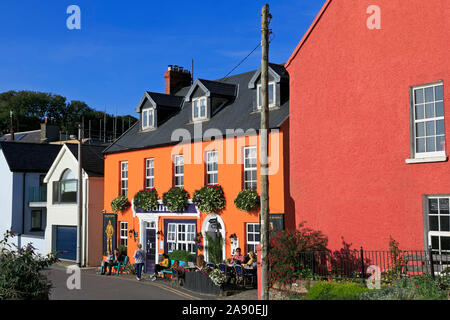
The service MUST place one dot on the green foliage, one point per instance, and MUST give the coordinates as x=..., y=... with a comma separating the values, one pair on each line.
x=146, y=200
x=130, y=268
x=414, y=288
x=181, y=255
x=30, y=109
x=214, y=248
x=120, y=203
x=285, y=261
x=209, y=199
x=247, y=200
x=20, y=276
x=176, y=199
x=122, y=249
x=325, y=290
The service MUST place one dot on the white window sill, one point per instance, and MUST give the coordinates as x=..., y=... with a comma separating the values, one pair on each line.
x=425, y=160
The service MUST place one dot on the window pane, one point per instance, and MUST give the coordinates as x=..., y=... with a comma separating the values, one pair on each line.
x=445, y=243
x=439, y=109
x=445, y=226
x=435, y=243
x=439, y=91
x=271, y=88
x=420, y=112
x=144, y=118
x=429, y=94
x=440, y=143
x=429, y=110
x=420, y=129
x=443, y=206
x=434, y=223
x=419, y=96
x=433, y=206
x=430, y=128
x=431, y=144
x=251, y=237
x=420, y=147
x=440, y=127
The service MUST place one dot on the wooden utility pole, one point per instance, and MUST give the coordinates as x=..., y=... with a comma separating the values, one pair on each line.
x=80, y=195
x=264, y=137
x=11, y=125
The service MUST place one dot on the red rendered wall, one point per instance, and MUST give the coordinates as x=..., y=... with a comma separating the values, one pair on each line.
x=349, y=121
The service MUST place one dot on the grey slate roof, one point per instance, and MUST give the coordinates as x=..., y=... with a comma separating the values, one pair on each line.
x=237, y=114
x=92, y=162
x=29, y=157
x=26, y=136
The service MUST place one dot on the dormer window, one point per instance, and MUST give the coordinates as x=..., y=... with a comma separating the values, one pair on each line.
x=199, y=108
x=148, y=118
x=271, y=95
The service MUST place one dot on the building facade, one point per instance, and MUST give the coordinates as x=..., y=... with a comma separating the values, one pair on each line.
x=369, y=121
x=197, y=134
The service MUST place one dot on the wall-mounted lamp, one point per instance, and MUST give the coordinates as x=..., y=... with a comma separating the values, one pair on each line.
x=160, y=233
x=133, y=233
x=233, y=236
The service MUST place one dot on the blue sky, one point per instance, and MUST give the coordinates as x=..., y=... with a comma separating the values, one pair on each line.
x=124, y=47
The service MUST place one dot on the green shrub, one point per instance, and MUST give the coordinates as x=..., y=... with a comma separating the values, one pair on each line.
x=214, y=249
x=209, y=199
x=247, y=200
x=20, y=272
x=176, y=199
x=182, y=255
x=415, y=288
x=286, y=262
x=122, y=249
x=146, y=200
x=120, y=203
x=324, y=290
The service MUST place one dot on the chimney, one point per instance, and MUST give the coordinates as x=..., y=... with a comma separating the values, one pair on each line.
x=176, y=78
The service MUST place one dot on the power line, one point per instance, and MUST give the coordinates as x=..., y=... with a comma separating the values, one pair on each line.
x=259, y=44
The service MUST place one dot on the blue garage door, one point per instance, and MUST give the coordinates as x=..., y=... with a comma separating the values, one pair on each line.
x=66, y=242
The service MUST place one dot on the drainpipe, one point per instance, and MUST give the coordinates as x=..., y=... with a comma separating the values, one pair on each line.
x=23, y=205
x=85, y=221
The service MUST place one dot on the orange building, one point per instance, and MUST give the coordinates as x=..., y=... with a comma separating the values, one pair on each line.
x=197, y=134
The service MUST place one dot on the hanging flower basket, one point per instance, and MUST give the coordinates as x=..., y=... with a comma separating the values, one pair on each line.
x=120, y=203
x=176, y=199
x=209, y=199
x=247, y=200
x=146, y=200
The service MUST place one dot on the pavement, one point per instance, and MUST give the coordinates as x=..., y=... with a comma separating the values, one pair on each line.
x=94, y=286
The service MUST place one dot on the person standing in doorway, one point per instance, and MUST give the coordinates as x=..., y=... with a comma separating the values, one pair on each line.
x=139, y=256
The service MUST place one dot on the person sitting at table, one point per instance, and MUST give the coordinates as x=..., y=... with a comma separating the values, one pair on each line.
x=251, y=261
x=201, y=263
x=163, y=265
x=108, y=262
x=238, y=258
x=178, y=268
x=117, y=257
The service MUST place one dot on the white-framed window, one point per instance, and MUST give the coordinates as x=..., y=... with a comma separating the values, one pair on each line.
x=149, y=173
x=148, y=118
x=124, y=178
x=428, y=114
x=271, y=92
x=439, y=224
x=199, y=111
x=253, y=236
x=211, y=168
x=250, y=178
x=123, y=233
x=66, y=189
x=181, y=236
x=178, y=171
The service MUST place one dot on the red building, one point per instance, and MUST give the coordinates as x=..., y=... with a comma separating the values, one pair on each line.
x=369, y=119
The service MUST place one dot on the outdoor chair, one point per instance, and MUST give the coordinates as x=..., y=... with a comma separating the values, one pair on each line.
x=242, y=275
x=121, y=265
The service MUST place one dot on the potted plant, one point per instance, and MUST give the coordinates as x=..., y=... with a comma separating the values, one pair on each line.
x=209, y=199
x=146, y=199
x=247, y=200
x=120, y=203
x=176, y=199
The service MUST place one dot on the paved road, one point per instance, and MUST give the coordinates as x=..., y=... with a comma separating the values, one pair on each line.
x=122, y=287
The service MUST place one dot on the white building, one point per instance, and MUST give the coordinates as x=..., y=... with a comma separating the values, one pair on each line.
x=23, y=195
x=62, y=207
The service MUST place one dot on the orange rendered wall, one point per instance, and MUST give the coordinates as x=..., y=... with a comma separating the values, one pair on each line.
x=230, y=177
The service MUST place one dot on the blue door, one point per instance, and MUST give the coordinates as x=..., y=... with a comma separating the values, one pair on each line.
x=150, y=250
x=66, y=242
